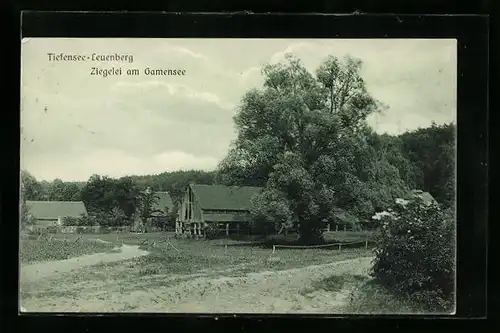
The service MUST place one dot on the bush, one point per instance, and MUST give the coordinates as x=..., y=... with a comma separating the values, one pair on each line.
x=114, y=218
x=415, y=253
x=27, y=219
x=212, y=231
x=105, y=230
x=83, y=220
x=53, y=229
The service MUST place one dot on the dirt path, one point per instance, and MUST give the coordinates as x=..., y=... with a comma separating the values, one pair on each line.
x=35, y=272
x=264, y=292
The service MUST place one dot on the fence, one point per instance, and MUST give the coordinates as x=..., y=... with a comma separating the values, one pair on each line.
x=338, y=245
x=154, y=243
x=77, y=229
x=71, y=229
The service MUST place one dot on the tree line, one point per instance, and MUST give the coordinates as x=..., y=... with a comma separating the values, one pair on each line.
x=116, y=201
x=424, y=159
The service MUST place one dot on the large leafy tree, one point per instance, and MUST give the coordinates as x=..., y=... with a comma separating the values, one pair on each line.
x=105, y=193
x=146, y=204
x=59, y=190
x=126, y=195
x=25, y=216
x=345, y=90
x=32, y=189
x=304, y=138
x=97, y=194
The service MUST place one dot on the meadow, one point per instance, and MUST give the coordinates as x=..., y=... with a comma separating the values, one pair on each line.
x=46, y=247
x=185, y=270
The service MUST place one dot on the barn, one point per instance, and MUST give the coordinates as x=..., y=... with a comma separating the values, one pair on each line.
x=51, y=213
x=214, y=205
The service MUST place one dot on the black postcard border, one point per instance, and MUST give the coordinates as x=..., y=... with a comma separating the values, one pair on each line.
x=471, y=32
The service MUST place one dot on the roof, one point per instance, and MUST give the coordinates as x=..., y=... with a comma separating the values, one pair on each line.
x=46, y=223
x=164, y=200
x=426, y=196
x=56, y=209
x=225, y=197
x=346, y=217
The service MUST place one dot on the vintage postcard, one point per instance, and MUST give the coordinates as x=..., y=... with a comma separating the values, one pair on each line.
x=238, y=176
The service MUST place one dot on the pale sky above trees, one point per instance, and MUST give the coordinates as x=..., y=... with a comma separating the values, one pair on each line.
x=75, y=125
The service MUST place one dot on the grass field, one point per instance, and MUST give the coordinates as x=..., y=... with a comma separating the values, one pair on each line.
x=35, y=248
x=371, y=297
x=183, y=271
x=347, y=236
x=183, y=256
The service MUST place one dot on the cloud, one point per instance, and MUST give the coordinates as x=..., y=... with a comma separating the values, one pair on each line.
x=292, y=48
x=118, y=163
x=416, y=78
x=251, y=71
x=187, y=52
x=172, y=51
x=172, y=89
x=144, y=119
x=178, y=160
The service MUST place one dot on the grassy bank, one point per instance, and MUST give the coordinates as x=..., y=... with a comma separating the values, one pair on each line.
x=372, y=298
x=347, y=236
x=179, y=260
x=191, y=256
x=37, y=249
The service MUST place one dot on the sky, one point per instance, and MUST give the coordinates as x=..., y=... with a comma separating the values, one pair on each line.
x=74, y=124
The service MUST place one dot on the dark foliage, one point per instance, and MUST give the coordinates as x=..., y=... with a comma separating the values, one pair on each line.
x=415, y=254
x=432, y=153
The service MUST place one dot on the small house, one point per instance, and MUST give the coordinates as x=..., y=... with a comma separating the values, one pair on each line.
x=214, y=206
x=426, y=197
x=163, y=204
x=51, y=213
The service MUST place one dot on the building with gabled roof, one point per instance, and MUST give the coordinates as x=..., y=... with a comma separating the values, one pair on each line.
x=163, y=207
x=50, y=213
x=205, y=205
x=163, y=204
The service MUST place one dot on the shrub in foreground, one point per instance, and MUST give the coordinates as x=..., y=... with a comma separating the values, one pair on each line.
x=415, y=253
